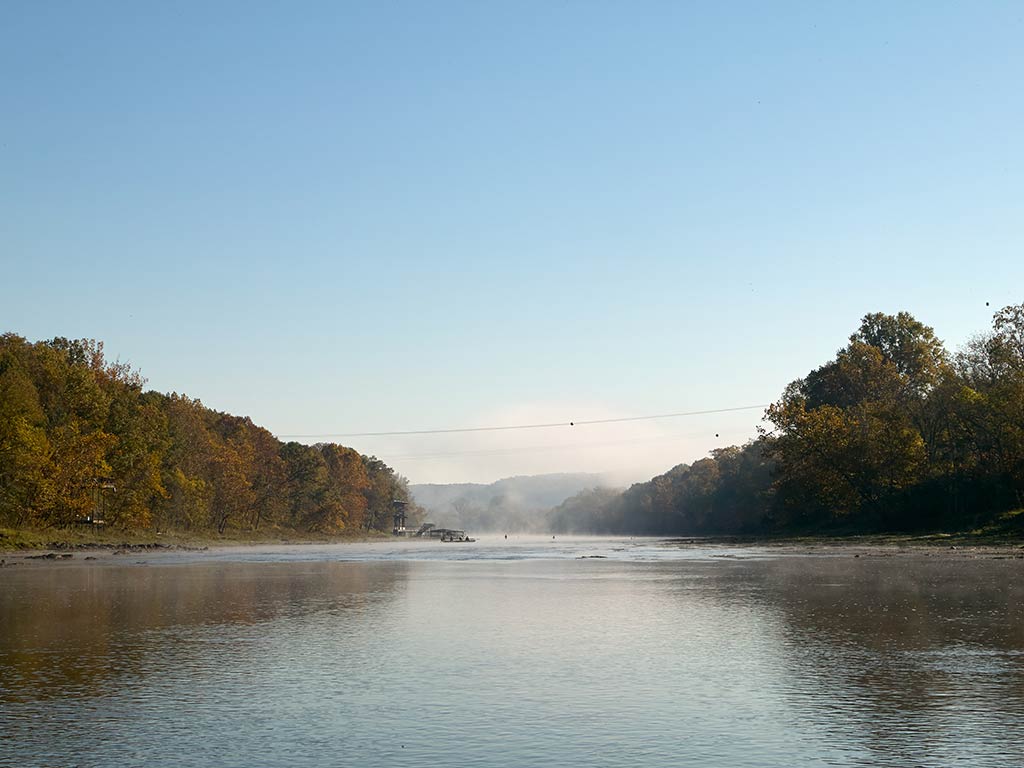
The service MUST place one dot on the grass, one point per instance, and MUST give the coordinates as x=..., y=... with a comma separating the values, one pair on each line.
x=1009, y=525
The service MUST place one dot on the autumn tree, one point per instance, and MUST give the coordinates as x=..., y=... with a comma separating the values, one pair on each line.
x=24, y=447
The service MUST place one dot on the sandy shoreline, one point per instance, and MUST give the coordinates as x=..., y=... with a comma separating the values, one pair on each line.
x=856, y=547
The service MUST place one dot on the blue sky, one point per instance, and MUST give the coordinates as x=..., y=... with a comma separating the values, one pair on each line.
x=339, y=217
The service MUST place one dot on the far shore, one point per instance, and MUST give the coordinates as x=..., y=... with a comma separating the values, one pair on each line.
x=872, y=545
x=127, y=549
x=70, y=540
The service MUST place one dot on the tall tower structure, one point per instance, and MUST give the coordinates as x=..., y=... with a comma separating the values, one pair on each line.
x=399, y=517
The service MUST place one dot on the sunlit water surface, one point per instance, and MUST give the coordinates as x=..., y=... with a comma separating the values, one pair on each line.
x=529, y=652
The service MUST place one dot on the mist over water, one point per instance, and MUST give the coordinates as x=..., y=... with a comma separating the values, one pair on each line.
x=510, y=505
x=528, y=652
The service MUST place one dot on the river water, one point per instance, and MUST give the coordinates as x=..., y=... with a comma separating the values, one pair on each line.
x=531, y=652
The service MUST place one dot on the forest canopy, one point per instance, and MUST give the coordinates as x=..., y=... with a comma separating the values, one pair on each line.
x=81, y=440
x=894, y=433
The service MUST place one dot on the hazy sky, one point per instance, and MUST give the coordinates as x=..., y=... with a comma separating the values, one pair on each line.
x=341, y=217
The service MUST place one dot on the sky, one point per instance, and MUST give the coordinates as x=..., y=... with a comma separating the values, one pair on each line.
x=341, y=218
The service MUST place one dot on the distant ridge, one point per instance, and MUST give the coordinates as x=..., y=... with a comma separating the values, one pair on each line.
x=517, y=503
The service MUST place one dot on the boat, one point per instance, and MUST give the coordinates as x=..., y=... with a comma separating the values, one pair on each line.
x=451, y=535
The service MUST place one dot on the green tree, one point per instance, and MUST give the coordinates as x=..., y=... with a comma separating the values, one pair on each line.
x=384, y=487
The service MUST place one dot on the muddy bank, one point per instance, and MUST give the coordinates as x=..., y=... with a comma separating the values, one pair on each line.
x=26, y=541
x=868, y=546
x=63, y=552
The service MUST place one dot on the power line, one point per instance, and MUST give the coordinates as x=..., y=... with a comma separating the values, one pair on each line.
x=549, y=425
x=557, y=447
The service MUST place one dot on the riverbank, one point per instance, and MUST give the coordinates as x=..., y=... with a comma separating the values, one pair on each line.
x=957, y=545
x=516, y=547
x=16, y=541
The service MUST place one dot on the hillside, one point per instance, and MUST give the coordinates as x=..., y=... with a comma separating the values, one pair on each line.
x=81, y=442
x=511, y=504
x=894, y=434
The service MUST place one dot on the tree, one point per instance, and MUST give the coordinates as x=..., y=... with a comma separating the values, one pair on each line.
x=306, y=483
x=384, y=487
x=76, y=428
x=908, y=344
x=345, y=505
x=24, y=448
x=232, y=491
x=187, y=471
x=991, y=412
x=76, y=472
x=135, y=458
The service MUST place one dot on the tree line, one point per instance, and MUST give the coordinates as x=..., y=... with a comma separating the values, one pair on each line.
x=895, y=433
x=80, y=440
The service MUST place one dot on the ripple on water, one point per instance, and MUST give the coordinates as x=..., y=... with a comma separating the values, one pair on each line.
x=637, y=658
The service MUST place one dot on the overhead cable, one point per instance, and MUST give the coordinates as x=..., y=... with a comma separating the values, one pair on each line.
x=549, y=425
x=548, y=448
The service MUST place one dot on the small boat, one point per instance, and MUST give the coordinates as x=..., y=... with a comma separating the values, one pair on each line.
x=450, y=535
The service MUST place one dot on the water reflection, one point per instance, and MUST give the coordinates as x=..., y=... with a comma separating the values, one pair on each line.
x=71, y=632
x=922, y=657
x=728, y=662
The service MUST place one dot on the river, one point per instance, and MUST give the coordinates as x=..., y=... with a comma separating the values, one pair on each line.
x=526, y=652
